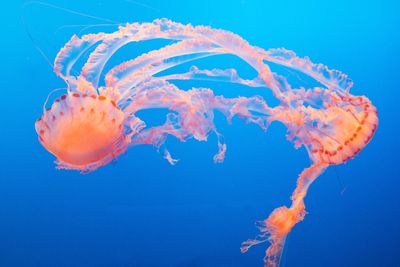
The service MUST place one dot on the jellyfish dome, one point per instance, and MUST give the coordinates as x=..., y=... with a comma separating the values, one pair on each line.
x=97, y=120
x=82, y=131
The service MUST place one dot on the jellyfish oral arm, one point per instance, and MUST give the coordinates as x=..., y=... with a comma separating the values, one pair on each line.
x=281, y=221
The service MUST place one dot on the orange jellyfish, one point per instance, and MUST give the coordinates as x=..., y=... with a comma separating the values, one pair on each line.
x=83, y=131
x=96, y=121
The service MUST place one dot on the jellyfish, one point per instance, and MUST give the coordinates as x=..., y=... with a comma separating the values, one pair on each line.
x=96, y=120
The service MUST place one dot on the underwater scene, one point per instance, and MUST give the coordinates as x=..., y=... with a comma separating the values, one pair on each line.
x=200, y=133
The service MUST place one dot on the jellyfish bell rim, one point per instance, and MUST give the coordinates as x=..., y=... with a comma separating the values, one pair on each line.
x=90, y=166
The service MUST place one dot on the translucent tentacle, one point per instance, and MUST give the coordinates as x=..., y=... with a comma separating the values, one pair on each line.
x=71, y=52
x=218, y=75
x=219, y=157
x=93, y=68
x=113, y=41
x=130, y=73
x=230, y=43
x=332, y=79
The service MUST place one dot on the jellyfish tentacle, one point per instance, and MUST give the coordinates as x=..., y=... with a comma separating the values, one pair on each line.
x=77, y=46
x=72, y=51
x=332, y=79
x=217, y=75
x=93, y=67
x=111, y=42
x=219, y=157
x=168, y=157
x=128, y=74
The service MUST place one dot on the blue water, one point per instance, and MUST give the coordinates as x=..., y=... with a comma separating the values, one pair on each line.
x=142, y=212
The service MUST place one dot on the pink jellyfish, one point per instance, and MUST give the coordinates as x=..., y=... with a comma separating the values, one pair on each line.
x=95, y=122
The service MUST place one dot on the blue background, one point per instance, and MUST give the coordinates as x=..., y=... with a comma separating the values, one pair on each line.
x=140, y=211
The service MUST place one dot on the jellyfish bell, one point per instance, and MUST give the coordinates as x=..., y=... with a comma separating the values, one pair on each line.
x=352, y=122
x=335, y=133
x=83, y=131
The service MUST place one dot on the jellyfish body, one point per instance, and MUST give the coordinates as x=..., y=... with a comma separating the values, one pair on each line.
x=95, y=122
x=82, y=131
